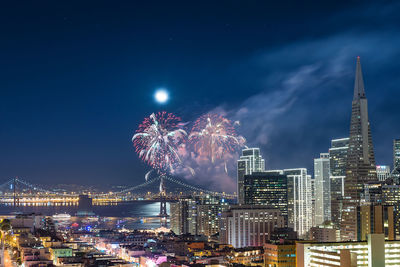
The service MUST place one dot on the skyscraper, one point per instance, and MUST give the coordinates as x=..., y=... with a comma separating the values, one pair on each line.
x=250, y=161
x=179, y=216
x=337, y=162
x=312, y=181
x=299, y=200
x=322, y=189
x=268, y=188
x=396, y=161
x=338, y=156
x=197, y=215
x=391, y=197
x=396, y=153
x=383, y=193
x=360, y=166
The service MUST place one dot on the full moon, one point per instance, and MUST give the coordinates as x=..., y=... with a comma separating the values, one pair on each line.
x=161, y=96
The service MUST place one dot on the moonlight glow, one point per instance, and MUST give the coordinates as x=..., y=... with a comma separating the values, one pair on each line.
x=161, y=96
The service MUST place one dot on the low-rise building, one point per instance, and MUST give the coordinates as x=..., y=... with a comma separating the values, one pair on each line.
x=60, y=252
x=324, y=233
x=249, y=256
x=375, y=252
x=280, y=255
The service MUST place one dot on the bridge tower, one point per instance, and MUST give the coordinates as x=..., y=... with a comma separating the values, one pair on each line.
x=163, y=203
x=15, y=196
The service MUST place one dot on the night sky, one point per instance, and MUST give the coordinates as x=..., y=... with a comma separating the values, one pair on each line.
x=76, y=79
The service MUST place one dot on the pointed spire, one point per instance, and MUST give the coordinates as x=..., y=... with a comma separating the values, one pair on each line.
x=359, y=91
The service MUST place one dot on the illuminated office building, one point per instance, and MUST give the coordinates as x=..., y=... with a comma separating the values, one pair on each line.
x=381, y=193
x=337, y=165
x=299, y=200
x=197, y=215
x=391, y=197
x=372, y=194
x=313, y=200
x=396, y=161
x=322, y=211
x=268, y=188
x=375, y=219
x=396, y=153
x=360, y=166
x=250, y=161
x=250, y=226
x=325, y=232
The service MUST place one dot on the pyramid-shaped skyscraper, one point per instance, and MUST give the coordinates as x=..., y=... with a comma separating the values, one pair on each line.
x=360, y=167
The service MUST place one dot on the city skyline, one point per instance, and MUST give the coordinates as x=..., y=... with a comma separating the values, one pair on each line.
x=212, y=133
x=61, y=124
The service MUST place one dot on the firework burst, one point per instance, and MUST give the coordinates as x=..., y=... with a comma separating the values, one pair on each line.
x=213, y=135
x=158, y=139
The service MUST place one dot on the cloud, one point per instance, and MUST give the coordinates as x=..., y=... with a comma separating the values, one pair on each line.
x=304, y=100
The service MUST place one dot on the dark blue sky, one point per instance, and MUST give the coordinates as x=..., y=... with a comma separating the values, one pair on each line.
x=76, y=78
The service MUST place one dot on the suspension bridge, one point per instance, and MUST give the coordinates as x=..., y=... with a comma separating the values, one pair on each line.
x=17, y=191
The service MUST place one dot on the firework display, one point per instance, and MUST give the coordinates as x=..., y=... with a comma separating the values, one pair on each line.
x=158, y=139
x=213, y=135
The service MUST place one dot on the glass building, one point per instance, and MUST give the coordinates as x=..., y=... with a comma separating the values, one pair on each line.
x=322, y=189
x=337, y=165
x=198, y=215
x=396, y=161
x=250, y=161
x=267, y=188
x=382, y=193
x=299, y=200
x=396, y=153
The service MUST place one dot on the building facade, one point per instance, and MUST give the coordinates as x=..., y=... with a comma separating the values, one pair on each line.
x=197, y=215
x=324, y=233
x=337, y=165
x=322, y=189
x=280, y=255
x=177, y=217
x=391, y=197
x=299, y=200
x=268, y=188
x=360, y=166
x=250, y=226
x=383, y=172
x=375, y=219
x=387, y=194
x=250, y=161
x=313, y=200
x=396, y=153
x=395, y=175
x=375, y=252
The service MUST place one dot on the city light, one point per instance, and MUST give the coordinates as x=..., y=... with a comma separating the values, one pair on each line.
x=264, y=148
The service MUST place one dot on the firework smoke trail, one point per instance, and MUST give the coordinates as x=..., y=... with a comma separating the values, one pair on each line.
x=147, y=175
x=157, y=141
x=213, y=135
